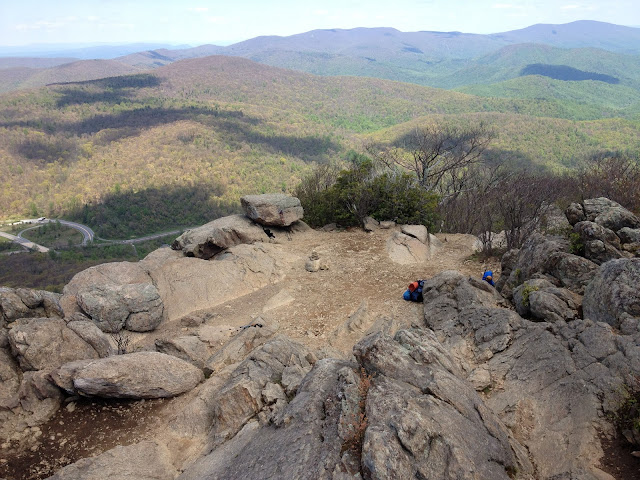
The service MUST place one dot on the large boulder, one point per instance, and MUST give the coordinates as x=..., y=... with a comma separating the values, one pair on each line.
x=189, y=348
x=575, y=213
x=417, y=231
x=274, y=209
x=629, y=235
x=617, y=218
x=26, y=303
x=90, y=333
x=214, y=237
x=135, y=375
x=189, y=284
x=613, y=295
x=600, y=244
x=115, y=296
x=47, y=343
x=407, y=250
x=548, y=257
x=594, y=207
x=540, y=300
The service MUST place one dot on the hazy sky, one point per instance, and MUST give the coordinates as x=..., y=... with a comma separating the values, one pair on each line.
x=222, y=22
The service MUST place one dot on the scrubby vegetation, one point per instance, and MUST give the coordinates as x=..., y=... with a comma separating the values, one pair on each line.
x=364, y=189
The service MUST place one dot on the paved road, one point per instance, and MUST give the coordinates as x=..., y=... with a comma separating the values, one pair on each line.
x=87, y=234
x=25, y=243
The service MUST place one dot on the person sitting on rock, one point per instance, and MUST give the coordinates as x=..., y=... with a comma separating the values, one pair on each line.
x=487, y=276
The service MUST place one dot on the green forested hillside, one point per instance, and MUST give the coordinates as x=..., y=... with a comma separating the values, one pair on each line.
x=580, y=96
x=508, y=63
x=178, y=146
x=554, y=144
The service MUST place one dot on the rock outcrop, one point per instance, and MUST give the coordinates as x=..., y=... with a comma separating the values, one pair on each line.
x=475, y=389
x=134, y=375
x=613, y=296
x=550, y=386
x=46, y=343
x=189, y=284
x=115, y=296
x=272, y=209
x=18, y=303
x=406, y=250
x=212, y=238
x=141, y=461
x=424, y=420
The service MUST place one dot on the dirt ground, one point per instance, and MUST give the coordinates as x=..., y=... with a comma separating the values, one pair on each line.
x=360, y=270
x=307, y=307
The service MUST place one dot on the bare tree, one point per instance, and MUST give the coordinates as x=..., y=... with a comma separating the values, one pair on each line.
x=520, y=199
x=469, y=206
x=615, y=175
x=438, y=153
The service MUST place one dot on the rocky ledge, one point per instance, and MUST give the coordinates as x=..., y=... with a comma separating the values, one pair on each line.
x=514, y=382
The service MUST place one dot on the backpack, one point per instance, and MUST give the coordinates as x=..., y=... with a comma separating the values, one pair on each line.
x=414, y=292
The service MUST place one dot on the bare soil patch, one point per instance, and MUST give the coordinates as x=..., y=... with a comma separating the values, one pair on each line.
x=80, y=429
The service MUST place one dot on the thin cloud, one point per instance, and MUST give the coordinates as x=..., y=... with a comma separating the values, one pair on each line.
x=40, y=25
x=198, y=9
x=505, y=6
x=570, y=7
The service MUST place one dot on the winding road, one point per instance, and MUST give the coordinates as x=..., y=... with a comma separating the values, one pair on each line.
x=87, y=233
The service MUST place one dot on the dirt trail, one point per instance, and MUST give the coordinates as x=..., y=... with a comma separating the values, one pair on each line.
x=359, y=271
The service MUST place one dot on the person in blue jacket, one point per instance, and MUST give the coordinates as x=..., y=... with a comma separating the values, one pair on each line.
x=487, y=276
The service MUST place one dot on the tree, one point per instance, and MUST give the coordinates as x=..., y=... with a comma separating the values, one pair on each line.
x=437, y=154
x=364, y=190
x=520, y=200
x=615, y=175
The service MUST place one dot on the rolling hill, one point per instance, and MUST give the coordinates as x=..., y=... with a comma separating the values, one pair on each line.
x=179, y=145
x=82, y=70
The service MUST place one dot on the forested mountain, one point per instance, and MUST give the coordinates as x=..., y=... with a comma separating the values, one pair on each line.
x=179, y=145
x=438, y=59
x=580, y=34
x=22, y=77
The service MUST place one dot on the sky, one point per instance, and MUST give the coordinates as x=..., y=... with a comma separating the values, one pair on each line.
x=222, y=22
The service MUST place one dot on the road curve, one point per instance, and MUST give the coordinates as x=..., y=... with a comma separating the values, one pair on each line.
x=86, y=232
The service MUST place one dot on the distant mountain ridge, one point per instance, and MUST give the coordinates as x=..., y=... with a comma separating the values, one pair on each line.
x=450, y=60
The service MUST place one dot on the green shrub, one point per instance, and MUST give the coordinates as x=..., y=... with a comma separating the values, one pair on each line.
x=349, y=196
x=576, y=246
x=526, y=291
